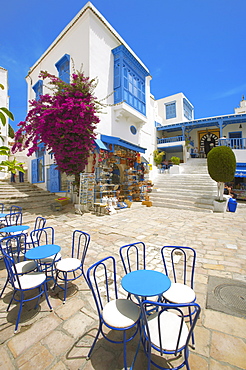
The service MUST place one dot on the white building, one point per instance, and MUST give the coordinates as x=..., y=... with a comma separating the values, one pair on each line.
x=90, y=42
x=4, y=102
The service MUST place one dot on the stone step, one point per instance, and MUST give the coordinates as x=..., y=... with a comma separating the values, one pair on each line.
x=191, y=189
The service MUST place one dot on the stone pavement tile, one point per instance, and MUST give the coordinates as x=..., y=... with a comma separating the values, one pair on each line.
x=228, y=349
x=58, y=342
x=101, y=359
x=214, y=365
x=197, y=362
x=78, y=324
x=5, y=361
x=37, y=357
x=225, y=323
x=59, y=366
x=202, y=340
x=41, y=328
x=69, y=308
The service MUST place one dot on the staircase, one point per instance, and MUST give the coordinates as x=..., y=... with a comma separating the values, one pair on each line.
x=25, y=195
x=191, y=189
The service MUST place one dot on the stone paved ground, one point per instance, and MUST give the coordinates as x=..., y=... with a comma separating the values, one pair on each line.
x=61, y=339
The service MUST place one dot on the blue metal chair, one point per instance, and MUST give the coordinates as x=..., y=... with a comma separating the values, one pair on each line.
x=113, y=313
x=133, y=257
x=167, y=332
x=23, y=284
x=70, y=269
x=14, y=209
x=1, y=207
x=179, y=265
x=15, y=247
x=45, y=236
x=13, y=218
x=32, y=241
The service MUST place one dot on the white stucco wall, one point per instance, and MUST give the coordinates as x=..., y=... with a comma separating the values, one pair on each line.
x=161, y=109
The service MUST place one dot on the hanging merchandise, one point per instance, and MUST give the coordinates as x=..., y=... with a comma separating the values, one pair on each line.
x=86, y=192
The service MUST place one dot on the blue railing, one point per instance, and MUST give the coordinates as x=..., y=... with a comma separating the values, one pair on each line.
x=234, y=143
x=170, y=139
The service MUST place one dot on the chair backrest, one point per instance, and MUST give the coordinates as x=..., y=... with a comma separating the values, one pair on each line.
x=43, y=236
x=39, y=223
x=14, y=209
x=1, y=207
x=166, y=329
x=14, y=246
x=179, y=263
x=101, y=278
x=133, y=257
x=11, y=269
x=14, y=218
x=80, y=243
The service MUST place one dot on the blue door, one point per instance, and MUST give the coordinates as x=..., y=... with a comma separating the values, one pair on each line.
x=53, y=179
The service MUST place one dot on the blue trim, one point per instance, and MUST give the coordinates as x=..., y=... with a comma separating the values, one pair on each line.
x=129, y=79
x=100, y=144
x=38, y=89
x=63, y=67
x=117, y=141
x=170, y=110
x=133, y=130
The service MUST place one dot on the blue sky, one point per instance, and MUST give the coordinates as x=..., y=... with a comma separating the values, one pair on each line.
x=194, y=46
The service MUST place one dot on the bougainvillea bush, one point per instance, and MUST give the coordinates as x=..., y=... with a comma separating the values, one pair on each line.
x=65, y=121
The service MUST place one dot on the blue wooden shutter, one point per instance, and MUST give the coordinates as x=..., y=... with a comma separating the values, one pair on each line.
x=34, y=171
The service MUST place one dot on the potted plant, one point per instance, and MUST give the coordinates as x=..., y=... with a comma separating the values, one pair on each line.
x=221, y=162
x=158, y=157
x=175, y=160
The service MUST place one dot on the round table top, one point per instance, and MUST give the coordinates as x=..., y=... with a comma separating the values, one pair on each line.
x=2, y=215
x=14, y=228
x=146, y=283
x=42, y=251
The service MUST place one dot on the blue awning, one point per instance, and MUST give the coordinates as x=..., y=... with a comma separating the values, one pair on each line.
x=100, y=144
x=117, y=141
x=240, y=172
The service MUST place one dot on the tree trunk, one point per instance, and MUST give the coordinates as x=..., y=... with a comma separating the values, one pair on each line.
x=220, y=186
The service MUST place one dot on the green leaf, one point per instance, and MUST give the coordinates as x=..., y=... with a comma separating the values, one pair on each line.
x=8, y=113
x=3, y=118
x=1, y=86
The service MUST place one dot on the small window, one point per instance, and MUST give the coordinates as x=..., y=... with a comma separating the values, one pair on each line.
x=133, y=130
x=63, y=67
x=38, y=89
x=188, y=109
x=171, y=110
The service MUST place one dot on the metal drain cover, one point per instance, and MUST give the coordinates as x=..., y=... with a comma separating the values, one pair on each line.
x=226, y=295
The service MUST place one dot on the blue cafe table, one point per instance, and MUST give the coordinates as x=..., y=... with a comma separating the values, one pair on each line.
x=2, y=215
x=145, y=283
x=41, y=252
x=14, y=229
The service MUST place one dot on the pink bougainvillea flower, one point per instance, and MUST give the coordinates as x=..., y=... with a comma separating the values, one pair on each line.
x=65, y=122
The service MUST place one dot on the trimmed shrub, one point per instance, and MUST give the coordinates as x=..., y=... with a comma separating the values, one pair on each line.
x=221, y=164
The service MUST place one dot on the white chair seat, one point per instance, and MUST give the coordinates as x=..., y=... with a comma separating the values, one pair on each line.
x=170, y=326
x=68, y=264
x=179, y=293
x=120, y=313
x=51, y=258
x=31, y=280
x=29, y=239
x=25, y=266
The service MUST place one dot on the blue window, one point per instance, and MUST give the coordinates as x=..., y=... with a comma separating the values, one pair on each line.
x=63, y=67
x=170, y=110
x=188, y=109
x=38, y=89
x=133, y=130
x=129, y=79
